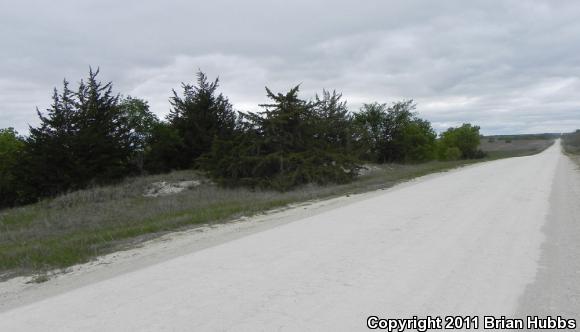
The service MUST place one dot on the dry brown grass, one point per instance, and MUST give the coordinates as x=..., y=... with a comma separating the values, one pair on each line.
x=514, y=148
x=571, y=142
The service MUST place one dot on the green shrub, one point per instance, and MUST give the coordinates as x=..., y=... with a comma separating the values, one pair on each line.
x=465, y=138
x=452, y=153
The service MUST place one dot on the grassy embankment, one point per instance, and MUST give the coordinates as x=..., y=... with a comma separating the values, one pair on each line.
x=571, y=144
x=74, y=228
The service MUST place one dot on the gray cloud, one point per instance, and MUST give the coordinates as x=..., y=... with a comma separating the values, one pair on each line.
x=509, y=66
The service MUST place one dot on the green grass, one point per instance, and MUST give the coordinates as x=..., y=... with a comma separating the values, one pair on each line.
x=77, y=227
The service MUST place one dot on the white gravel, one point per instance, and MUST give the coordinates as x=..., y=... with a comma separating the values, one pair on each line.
x=465, y=242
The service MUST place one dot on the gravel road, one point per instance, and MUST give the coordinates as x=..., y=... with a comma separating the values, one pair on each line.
x=489, y=239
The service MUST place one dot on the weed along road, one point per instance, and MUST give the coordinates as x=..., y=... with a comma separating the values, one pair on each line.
x=467, y=242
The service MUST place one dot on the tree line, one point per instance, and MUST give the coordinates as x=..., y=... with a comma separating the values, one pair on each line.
x=91, y=136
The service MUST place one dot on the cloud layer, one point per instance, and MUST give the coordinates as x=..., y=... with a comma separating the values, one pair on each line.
x=509, y=66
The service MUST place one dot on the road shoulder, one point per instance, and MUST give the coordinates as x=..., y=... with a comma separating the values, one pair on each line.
x=556, y=290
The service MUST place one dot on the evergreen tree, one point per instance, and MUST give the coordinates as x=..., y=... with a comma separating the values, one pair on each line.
x=200, y=116
x=333, y=120
x=285, y=126
x=103, y=146
x=83, y=139
x=49, y=163
x=92, y=136
x=234, y=161
x=284, y=146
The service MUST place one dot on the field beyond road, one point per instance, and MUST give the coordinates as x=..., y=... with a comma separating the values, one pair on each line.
x=469, y=241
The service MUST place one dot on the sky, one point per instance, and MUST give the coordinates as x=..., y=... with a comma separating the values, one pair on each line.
x=507, y=66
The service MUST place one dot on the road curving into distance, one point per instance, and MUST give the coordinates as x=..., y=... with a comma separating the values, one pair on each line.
x=467, y=242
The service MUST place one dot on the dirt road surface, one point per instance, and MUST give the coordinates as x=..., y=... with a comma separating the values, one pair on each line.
x=498, y=238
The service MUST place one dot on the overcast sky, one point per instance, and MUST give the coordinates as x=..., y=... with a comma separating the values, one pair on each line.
x=508, y=66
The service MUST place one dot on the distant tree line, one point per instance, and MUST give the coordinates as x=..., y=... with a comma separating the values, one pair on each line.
x=92, y=136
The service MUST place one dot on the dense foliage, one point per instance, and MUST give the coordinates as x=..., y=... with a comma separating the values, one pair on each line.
x=90, y=136
x=291, y=142
x=11, y=146
x=393, y=134
x=139, y=123
x=460, y=142
x=84, y=138
x=200, y=116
